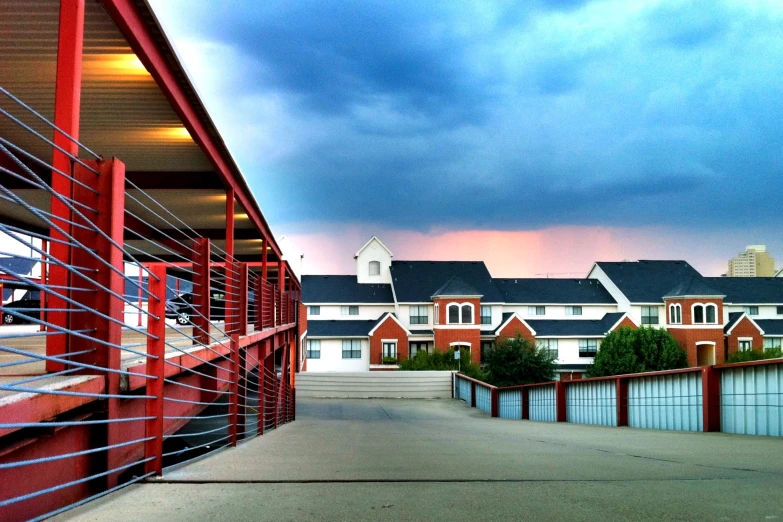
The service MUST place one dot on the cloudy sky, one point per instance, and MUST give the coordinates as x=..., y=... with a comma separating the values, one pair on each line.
x=537, y=135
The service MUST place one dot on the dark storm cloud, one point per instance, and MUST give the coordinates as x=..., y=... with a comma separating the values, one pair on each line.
x=500, y=115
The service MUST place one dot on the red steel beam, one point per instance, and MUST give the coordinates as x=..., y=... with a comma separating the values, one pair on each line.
x=156, y=348
x=67, y=103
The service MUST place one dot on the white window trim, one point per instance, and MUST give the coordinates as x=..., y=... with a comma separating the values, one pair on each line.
x=459, y=307
x=677, y=308
x=704, y=313
x=370, y=265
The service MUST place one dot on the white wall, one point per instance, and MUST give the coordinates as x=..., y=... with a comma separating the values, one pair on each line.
x=331, y=312
x=374, y=251
x=765, y=312
x=405, y=317
x=332, y=358
x=558, y=311
x=568, y=352
x=623, y=304
x=636, y=314
x=407, y=385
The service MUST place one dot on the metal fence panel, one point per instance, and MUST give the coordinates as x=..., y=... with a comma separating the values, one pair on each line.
x=666, y=402
x=462, y=390
x=484, y=398
x=751, y=400
x=510, y=404
x=592, y=402
x=542, y=403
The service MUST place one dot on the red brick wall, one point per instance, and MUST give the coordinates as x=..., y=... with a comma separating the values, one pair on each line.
x=688, y=337
x=686, y=308
x=302, y=328
x=443, y=304
x=389, y=329
x=745, y=328
x=626, y=322
x=570, y=376
x=444, y=337
x=514, y=327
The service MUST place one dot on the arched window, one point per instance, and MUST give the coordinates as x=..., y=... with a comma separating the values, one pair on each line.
x=467, y=314
x=375, y=268
x=711, y=311
x=453, y=317
x=698, y=314
x=675, y=314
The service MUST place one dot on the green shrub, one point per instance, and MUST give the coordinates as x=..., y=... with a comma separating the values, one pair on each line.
x=389, y=360
x=516, y=360
x=442, y=361
x=629, y=350
x=756, y=354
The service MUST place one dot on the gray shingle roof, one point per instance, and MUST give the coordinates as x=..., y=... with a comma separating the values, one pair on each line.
x=343, y=289
x=553, y=291
x=749, y=290
x=574, y=327
x=417, y=281
x=771, y=326
x=359, y=328
x=733, y=318
x=693, y=286
x=647, y=281
x=456, y=287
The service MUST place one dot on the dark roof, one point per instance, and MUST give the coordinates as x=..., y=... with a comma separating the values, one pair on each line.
x=693, y=286
x=647, y=281
x=417, y=281
x=551, y=290
x=770, y=326
x=733, y=318
x=339, y=328
x=749, y=290
x=456, y=287
x=343, y=289
x=422, y=332
x=574, y=327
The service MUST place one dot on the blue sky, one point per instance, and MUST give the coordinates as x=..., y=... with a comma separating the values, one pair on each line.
x=652, y=127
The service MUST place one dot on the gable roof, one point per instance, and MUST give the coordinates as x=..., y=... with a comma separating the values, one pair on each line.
x=771, y=326
x=368, y=244
x=507, y=316
x=749, y=290
x=553, y=291
x=382, y=318
x=692, y=287
x=456, y=287
x=646, y=281
x=734, y=318
x=575, y=327
x=332, y=328
x=417, y=281
x=343, y=289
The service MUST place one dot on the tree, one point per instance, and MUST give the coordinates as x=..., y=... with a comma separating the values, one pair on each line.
x=518, y=361
x=629, y=350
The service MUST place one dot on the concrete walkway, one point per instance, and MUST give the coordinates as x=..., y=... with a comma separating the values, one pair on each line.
x=439, y=460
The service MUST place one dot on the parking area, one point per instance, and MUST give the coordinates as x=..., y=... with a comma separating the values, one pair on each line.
x=347, y=459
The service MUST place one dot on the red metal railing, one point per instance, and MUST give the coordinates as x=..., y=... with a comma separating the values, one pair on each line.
x=138, y=354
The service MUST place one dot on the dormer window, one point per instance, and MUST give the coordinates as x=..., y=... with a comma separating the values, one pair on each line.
x=460, y=313
x=375, y=268
x=705, y=314
x=675, y=314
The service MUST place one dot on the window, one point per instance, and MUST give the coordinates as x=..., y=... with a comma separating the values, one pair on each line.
x=588, y=347
x=453, y=313
x=573, y=310
x=416, y=347
x=752, y=310
x=460, y=314
x=349, y=310
x=375, y=268
x=436, y=318
x=675, y=314
x=313, y=348
x=711, y=312
x=779, y=310
x=744, y=344
x=486, y=314
x=536, y=310
x=550, y=345
x=314, y=310
x=698, y=314
x=389, y=353
x=467, y=314
x=770, y=343
x=352, y=349
x=419, y=315
x=649, y=315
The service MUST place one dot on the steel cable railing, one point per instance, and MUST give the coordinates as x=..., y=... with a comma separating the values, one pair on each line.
x=133, y=331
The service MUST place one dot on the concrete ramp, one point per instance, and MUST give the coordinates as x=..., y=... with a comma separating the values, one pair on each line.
x=387, y=385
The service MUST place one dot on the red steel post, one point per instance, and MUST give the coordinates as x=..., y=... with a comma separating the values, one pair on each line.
x=233, y=388
x=622, y=402
x=710, y=382
x=67, y=104
x=472, y=394
x=525, y=397
x=201, y=290
x=244, y=284
x=259, y=299
x=560, y=401
x=110, y=205
x=156, y=349
x=494, y=402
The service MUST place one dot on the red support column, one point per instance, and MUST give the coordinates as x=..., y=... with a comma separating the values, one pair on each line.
x=622, y=402
x=259, y=292
x=139, y=302
x=201, y=290
x=263, y=355
x=110, y=205
x=560, y=401
x=472, y=394
x=244, y=283
x=710, y=382
x=233, y=389
x=525, y=397
x=230, y=222
x=67, y=103
x=156, y=348
x=494, y=402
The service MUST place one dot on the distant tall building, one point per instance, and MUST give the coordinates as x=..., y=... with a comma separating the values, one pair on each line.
x=755, y=261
